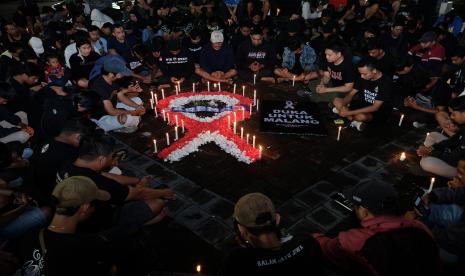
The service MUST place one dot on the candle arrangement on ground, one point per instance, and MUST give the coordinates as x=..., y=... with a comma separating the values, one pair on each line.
x=207, y=117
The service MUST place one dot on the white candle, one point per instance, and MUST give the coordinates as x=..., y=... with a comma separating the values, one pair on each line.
x=277, y=12
x=243, y=113
x=234, y=127
x=253, y=141
x=167, y=139
x=164, y=115
x=156, y=112
x=219, y=86
x=151, y=103
x=182, y=125
x=254, y=97
x=256, y=107
x=247, y=138
x=250, y=109
x=254, y=79
x=151, y=93
x=229, y=121
x=162, y=93
x=260, y=149
x=235, y=116
x=339, y=133
x=431, y=185
x=401, y=119
x=208, y=86
x=243, y=91
x=156, y=99
x=402, y=156
x=234, y=89
x=179, y=88
x=155, y=149
x=193, y=87
x=242, y=133
x=176, y=119
x=293, y=81
x=176, y=133
x=168, y=117
x=176, y=89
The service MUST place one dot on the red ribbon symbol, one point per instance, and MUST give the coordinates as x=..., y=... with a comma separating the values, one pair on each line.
x=200, y=131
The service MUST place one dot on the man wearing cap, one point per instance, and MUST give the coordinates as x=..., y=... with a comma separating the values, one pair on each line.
x=217, y=60
x=177, y=65
x=429, y=52
x=386, y=243
x=263, y=251
x=120, y=112
x=58, y=249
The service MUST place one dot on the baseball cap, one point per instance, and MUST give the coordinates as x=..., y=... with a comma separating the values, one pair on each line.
x=77, y=190
x=36, y=45
x=217, y=37
x=254, y=210
x=173, y=45
x=373, y=195
x=116, y=66
x=428, y=36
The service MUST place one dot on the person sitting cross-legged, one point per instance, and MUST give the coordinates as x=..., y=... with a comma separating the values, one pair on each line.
x=217, y=60
x=298, y=62
x=370, y=98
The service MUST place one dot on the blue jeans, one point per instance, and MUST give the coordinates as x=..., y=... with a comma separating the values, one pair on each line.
x=31, y=218
x=444, y=214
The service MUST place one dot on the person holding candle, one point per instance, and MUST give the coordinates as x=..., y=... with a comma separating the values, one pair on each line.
x=445, y=216
x=256, y=57
x=440, y=154
x=217, y=60
x=261, y=246
x=177, y=65
x=369, y=100
x=298, y=63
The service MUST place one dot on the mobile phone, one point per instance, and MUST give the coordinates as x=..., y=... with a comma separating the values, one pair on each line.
x=340, y=199
x=420, y=207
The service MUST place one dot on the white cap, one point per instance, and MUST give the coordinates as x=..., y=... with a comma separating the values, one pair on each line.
x=36, y=45
x=217, y=37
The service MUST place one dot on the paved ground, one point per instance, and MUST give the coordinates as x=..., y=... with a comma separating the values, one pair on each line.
x=299, y=173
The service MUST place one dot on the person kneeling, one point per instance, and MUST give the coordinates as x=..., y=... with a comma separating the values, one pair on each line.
x=373, y=103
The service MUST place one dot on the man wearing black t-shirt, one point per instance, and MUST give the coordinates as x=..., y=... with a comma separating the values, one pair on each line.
x=263, y=252
x=58, y=249
x=339, y=71
x=370, y=98
x=385, y=61
x=96, y=154
x=56, y=153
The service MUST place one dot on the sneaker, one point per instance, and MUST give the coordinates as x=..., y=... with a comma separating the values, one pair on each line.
x=335, y=111
x=126, y=130
x=360, y=126
x=418, y=124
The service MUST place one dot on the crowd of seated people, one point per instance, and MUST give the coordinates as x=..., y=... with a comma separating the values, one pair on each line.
x=71, y=73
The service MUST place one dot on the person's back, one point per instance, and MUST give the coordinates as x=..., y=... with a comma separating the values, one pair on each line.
x=406, y=251
x=295, y=257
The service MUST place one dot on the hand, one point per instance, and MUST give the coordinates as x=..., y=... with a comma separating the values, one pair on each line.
x=29, y=130
x=454, y=183
x=321, y=88
x=144, y=181
x=174, y=80
x=137, y=112
x=58, y=90
x=341, y=22
x=344, y=112
x=449, y=125
x=411, y=215
x=423, y=151
x=410, y=102
x=36, y=88
x=168, y=194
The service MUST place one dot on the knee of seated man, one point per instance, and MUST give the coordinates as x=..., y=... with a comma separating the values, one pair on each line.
x=156, y=205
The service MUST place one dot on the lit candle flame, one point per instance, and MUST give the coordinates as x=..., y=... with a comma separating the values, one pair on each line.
x=198, y=268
